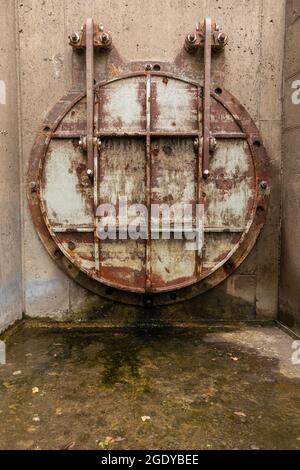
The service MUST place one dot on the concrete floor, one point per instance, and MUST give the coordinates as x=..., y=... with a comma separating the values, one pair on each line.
x=158, y=389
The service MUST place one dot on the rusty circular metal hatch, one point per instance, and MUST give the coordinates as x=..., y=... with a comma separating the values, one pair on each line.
x=148, y=126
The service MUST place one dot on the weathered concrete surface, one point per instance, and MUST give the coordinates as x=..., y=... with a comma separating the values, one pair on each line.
x=289, y=295
x=201, y=389
x=10, y=240
x=155, y=30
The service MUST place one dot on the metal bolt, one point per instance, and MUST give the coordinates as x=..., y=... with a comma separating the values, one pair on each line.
x=33, y=186
x=212, y=144
x=89, y=172
x=196, y=144
x=263, y=185
x=217, y=27
x=192, y=37
x=104, y=38
x=222, y=37
x=71, y=245
x=206, y=173
x=74, y=38
x=148, y=67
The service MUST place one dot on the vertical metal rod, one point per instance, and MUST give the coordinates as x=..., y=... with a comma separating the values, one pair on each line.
x=206, y=97
x=89, y=31
x=96, y=199
x=199, y=198
x=96, y=180
x=91, y=143
x=148, y=183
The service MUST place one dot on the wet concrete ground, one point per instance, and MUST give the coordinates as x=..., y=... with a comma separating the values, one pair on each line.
x=157, y=389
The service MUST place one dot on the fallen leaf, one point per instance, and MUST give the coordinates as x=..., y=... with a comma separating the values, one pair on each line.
x=104, y=444
x=7, y=385
x=31, y=429
x=240, y=413
x=145, y=418
x=119, y=439
x=68, y=446
x=13, y=406
x=35, y=390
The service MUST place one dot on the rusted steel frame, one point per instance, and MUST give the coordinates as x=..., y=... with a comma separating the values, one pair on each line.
x=220, y=272
x=101, y=39
x=77, y=135
x=144, y=74
x=76, y=229
x=90, y=96
x=71, y=229
x=148, y=185
x=206, y=97
x=96, y=190
x=198, y=253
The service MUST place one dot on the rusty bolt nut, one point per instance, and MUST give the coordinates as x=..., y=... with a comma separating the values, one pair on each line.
x=71, y=245
x=33, y=186
x=206, y=174
x=148, y=67
x=89, y=172
x=74, y=38
x=104, y=38
x=213, y=144
x=263, y=185
x=222, y=38
x=196, y=144
x=191, y=37
x=82, y=143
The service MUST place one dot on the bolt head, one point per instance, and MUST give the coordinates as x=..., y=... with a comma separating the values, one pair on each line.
x=89, y=172
x=33, y=186
x=206, y=173
x=263, y=185
x=74, y=38
x=222, y=37
x=192, y=37
x=212, y=144
x=104, y=38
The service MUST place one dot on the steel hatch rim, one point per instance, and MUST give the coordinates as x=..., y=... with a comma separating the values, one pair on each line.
x=175, y=293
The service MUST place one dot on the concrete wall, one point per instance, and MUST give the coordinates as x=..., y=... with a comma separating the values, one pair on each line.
x=10, y=238
x=155, y=30
x=290, y=254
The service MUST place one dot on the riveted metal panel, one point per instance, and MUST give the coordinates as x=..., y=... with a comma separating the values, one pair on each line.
x=147, y=124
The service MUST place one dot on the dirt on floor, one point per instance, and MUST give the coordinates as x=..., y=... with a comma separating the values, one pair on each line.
x=150, y=389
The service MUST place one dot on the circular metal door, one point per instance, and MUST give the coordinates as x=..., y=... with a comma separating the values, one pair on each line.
x=149, y=129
